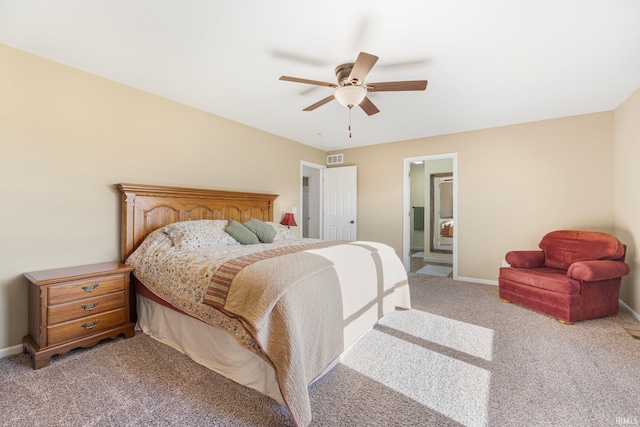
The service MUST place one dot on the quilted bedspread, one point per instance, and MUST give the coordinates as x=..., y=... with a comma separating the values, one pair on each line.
x=299, y=307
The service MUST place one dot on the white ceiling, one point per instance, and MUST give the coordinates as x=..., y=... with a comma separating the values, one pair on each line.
x=488, y=63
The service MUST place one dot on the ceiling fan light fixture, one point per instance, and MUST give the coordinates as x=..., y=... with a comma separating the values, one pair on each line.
x=351, y=95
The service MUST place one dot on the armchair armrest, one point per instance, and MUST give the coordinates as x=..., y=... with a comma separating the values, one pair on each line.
x=590, y=271
x=525, y=259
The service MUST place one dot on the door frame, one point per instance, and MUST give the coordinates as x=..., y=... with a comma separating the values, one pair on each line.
x=406, y=207
x=303, y=164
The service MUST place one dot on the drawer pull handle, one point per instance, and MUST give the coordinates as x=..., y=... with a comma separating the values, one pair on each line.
x=90, y=325
x=89, y=307
x=91, y=288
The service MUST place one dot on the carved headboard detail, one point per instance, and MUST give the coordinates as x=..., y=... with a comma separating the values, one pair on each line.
x=146, y=208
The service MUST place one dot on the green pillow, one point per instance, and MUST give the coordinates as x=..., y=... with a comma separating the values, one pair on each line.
x=241, y=233
x=265, y=232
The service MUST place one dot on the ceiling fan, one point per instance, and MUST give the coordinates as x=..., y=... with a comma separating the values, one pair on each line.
x=351, y=89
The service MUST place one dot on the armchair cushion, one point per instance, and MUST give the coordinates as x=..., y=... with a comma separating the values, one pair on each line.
x=550, y=279
x=564, y=247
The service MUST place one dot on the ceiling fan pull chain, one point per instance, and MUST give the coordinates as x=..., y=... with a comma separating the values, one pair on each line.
x=350, y=121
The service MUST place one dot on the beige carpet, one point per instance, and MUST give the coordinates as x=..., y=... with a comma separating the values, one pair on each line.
x=460, y=357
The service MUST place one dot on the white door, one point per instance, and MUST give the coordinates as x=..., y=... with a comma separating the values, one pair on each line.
x=340, y=198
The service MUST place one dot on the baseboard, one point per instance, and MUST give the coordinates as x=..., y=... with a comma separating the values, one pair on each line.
x=633, y=313
x=10, y=351
x=481, y=281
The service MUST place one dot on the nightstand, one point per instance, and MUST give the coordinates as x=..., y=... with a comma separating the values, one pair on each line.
x=76, y=307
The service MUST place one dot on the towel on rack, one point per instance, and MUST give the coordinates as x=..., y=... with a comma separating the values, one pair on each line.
x=418, y=218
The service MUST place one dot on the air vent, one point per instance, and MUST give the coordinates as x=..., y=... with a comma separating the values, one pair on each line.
x=335, y=159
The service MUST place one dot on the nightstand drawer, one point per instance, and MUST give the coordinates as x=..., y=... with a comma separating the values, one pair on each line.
x=82, y=289
x=85, y=326
x=86, y=307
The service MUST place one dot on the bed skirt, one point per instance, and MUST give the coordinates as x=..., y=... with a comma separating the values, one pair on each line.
x=209, y=346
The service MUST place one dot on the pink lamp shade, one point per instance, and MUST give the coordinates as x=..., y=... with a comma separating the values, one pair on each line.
x=289, y=220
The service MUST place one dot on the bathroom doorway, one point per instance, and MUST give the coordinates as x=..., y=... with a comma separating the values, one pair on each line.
x=430, y=226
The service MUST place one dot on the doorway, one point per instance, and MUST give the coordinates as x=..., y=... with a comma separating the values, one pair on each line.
x=428, y=165
x=311, y=221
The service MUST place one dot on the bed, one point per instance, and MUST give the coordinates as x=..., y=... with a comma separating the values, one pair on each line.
x=272, y=316
x=446, y=231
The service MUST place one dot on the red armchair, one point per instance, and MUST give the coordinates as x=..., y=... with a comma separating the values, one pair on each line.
x=575, y=276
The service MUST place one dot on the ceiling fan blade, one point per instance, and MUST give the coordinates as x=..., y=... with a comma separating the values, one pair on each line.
x=319, y=103
x=298, y=58
x=307, y=81
x=404, y=64
x=397, y=86
x=361, y=67
x=368, y=107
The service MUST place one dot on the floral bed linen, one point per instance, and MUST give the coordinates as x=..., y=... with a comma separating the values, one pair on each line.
x=182, y=277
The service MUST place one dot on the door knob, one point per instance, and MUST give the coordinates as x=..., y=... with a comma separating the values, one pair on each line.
x=352, y=222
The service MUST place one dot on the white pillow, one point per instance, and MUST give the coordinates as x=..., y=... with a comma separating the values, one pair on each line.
x=200, y=234
x=282, y=232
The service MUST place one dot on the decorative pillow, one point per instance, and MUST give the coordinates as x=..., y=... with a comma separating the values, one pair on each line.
x=241, y=233
x=200, y=234
x=265, y=232
x=282, y=232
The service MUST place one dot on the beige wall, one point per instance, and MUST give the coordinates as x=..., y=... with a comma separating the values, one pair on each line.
x=66, y=137
x=515, y=183
x=627, y=193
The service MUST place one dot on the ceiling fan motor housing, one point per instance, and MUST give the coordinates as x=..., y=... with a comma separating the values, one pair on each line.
x=342, y=73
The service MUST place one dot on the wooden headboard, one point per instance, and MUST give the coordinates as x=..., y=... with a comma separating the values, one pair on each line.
x=146, y=208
